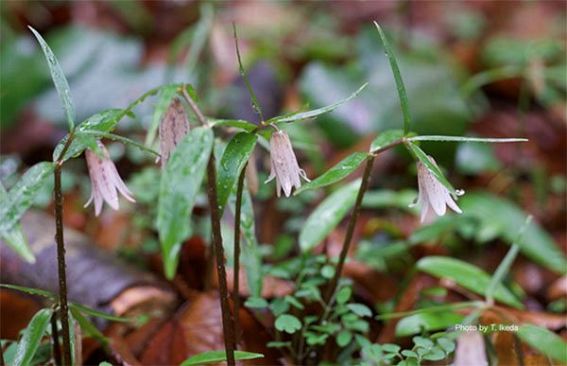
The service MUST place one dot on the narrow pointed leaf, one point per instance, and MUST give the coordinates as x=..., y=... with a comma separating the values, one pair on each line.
x=125, y=140
x=429, y=322
x=31, y=339
x=434, y=169
x=59, y=80
x=236, y=123
x=466, y=275
x=180, y=182
x=232, y=162
x=86, y=325
x=29, y=290
x=104, y=121
x=14, y=237
x=545, y=341
x=99, y=314
x=506, y=218
x=219, y=356
x=338, y=172
x=316, y=112
x=251, y=254
x=328, y=215
x=22, y=194
x=465, y=139
x=386, y=138
x=397, y=77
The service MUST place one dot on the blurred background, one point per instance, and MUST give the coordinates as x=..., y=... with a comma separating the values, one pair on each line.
x=475, y=68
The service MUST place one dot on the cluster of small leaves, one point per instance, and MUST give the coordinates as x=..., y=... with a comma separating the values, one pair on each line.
x=424, y=349
x=342, y=319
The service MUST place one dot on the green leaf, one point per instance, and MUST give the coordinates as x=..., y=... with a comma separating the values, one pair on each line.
x=338, y=172
x=29, y=290
x=465, y=139
x=256, y=303
x=180, y=183
x=164, y=98
x=506, y=217
x=86, y=325
x=253, y=99
x=104, y=121
x=33, y=334
x=219, y=356
x=314, y=113
x=506, y=263
x=14, y=237
x=397, y=77
x=344, y=295
x=343, y=338
x=360, y=309
x=328, y=215
x=104, y=363
x=288, y=323
x=433, y=168
x=17, y=241
x=59, y=80
x=21, y=196
x=236, y=123
x=417, y=323
x=466, y=275
x=546, y=342
x=99, y=314
x=125, y=140
x=385, y=199
x=386, y=138
x=233, y=160
x=251, y=253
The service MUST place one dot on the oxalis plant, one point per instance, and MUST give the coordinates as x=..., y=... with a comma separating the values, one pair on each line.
x=321, y=307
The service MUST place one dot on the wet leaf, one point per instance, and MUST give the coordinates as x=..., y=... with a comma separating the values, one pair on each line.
x=32, y=336
x=432, y=321
x=314, y=113
x=385, y=138
x=180, y=182
x=219, y=356
x=22, y=194
x=433, y=168
x=545, y=341
x=59, y=80
x=397, y=77
x=14, y=237
x=467, y=276
x=328, y=215
x=234, y=158
x=338, y=172
x=506, y=218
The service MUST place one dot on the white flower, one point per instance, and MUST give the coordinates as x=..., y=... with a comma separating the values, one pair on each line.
x=284, y=164
x=433, y=197
x=105, y=180
x=172, y=128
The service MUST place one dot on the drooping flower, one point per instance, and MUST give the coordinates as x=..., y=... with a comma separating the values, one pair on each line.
x=105, y=180
x=433, y=197
x=284, y=166
x=172, y=128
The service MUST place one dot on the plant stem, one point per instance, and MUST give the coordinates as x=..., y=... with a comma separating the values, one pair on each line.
x=63, y=306
x=236, y=269
x=350, y=230
x=55, y=337
x=227, y=325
